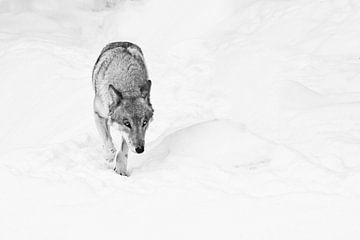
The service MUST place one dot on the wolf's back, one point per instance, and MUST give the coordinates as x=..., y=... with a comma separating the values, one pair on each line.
x=124, y=45
x=122, y=65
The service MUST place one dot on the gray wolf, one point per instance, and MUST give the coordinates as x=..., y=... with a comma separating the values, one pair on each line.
x=122, y=100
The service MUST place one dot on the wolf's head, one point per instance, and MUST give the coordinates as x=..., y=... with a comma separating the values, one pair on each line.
x=132, y=115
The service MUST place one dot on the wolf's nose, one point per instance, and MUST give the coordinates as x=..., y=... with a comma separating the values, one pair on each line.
x=139, y=149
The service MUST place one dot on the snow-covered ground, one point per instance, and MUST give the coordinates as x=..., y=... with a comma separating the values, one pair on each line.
x=256, y=132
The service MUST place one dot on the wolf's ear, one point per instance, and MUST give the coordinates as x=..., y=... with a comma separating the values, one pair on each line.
x=115, y=95
x=145, y=89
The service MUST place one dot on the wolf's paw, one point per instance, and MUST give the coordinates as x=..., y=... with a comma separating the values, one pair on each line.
x=121, y=172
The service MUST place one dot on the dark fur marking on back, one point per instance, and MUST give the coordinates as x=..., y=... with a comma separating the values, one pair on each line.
x=113, y=45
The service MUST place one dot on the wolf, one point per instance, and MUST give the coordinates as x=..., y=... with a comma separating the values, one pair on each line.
x=122, y=100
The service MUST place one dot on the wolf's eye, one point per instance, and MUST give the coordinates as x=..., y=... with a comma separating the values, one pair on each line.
x=144, y=123
x=127, y=123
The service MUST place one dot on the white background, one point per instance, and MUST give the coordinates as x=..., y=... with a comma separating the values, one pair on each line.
x=256, y=132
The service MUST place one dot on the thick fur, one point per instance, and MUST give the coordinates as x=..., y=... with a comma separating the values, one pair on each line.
x=122, y=99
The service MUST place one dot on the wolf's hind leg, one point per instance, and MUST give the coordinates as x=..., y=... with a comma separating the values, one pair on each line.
x=121, y=159
x=103, y=129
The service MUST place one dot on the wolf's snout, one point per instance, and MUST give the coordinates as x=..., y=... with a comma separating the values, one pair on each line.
x=139, y=149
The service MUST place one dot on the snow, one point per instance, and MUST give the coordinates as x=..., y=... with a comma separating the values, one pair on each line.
x=255, y=135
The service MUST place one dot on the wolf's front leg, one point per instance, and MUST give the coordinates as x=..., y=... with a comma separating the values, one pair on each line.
x=121, y=159
x=104, y=131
